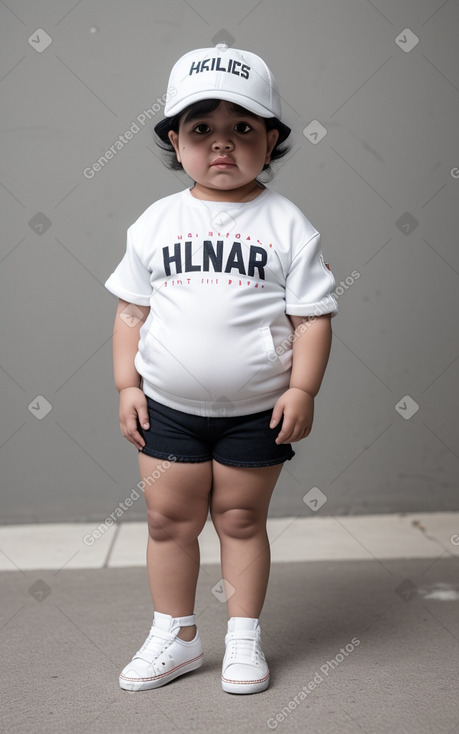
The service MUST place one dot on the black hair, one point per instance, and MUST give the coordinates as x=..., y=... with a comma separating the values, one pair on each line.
x=204, y=107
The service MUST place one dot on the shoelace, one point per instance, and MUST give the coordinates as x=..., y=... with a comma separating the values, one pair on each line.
x=243, y=646
x=155, y=644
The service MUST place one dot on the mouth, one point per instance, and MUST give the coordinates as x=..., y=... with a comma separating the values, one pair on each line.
x=223, y=163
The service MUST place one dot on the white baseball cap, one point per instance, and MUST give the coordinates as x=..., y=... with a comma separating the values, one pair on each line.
x=223, y=73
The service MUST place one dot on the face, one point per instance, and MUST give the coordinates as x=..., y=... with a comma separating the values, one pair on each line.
x=223, y=152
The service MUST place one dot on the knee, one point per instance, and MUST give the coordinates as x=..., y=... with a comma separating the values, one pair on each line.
x=237, y=523
x=162, y=527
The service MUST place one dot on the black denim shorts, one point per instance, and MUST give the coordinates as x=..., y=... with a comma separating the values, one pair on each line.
x=245, y=440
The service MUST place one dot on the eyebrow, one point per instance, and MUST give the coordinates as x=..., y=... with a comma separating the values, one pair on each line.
x=194, y=115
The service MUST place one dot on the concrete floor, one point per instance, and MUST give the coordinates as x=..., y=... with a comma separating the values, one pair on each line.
x=66, y=634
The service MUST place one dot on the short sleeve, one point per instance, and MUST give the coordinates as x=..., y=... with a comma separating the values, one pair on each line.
x=131, y=279
x=309, y=284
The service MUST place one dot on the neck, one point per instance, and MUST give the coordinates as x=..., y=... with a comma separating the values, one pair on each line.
x=244, y=193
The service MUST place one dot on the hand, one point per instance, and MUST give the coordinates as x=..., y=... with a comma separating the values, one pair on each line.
x=297, y=407
x=133, y=406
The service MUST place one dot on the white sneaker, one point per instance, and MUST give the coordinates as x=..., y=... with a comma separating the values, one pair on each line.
x=245, y=669
x=163, y=656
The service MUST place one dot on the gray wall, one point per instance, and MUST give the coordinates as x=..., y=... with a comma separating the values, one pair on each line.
x=382, y=187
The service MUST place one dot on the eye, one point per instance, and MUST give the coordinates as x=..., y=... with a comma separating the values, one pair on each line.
x=242, y=127
x=201, y=129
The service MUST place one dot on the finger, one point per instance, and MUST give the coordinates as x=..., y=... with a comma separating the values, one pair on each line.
x=144, y=418
x=133, y=435
x=137, y=443
x=276, y=415
x=286, y=430
x=299, y=433
x=138, y=440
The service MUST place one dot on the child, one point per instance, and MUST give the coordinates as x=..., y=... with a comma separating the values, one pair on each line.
x=221, y=339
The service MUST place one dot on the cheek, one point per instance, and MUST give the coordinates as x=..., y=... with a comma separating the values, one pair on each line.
x=256, y=150
x=192, y=156
x=257, y=155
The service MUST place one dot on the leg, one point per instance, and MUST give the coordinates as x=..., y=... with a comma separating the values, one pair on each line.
x=177, y=507
x=239, y=507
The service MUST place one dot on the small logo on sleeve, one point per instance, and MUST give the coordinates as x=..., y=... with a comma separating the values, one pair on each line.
x=326, y=265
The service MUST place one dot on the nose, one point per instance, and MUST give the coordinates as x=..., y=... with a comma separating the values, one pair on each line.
x=222, y=144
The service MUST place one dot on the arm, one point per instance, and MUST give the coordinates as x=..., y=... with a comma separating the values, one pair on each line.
x=126, y=334
x=133, y=404
x=311, y=350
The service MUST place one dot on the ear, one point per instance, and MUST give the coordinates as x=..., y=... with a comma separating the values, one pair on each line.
x=271, y=137
x=173, y=137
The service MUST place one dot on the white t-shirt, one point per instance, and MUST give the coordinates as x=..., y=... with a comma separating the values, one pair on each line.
x=220, y=279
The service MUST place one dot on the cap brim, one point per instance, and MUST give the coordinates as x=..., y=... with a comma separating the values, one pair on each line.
x=247, y=102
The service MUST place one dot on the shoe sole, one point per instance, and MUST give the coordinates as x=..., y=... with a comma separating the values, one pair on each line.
x=146, y=684
x=243, y=687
